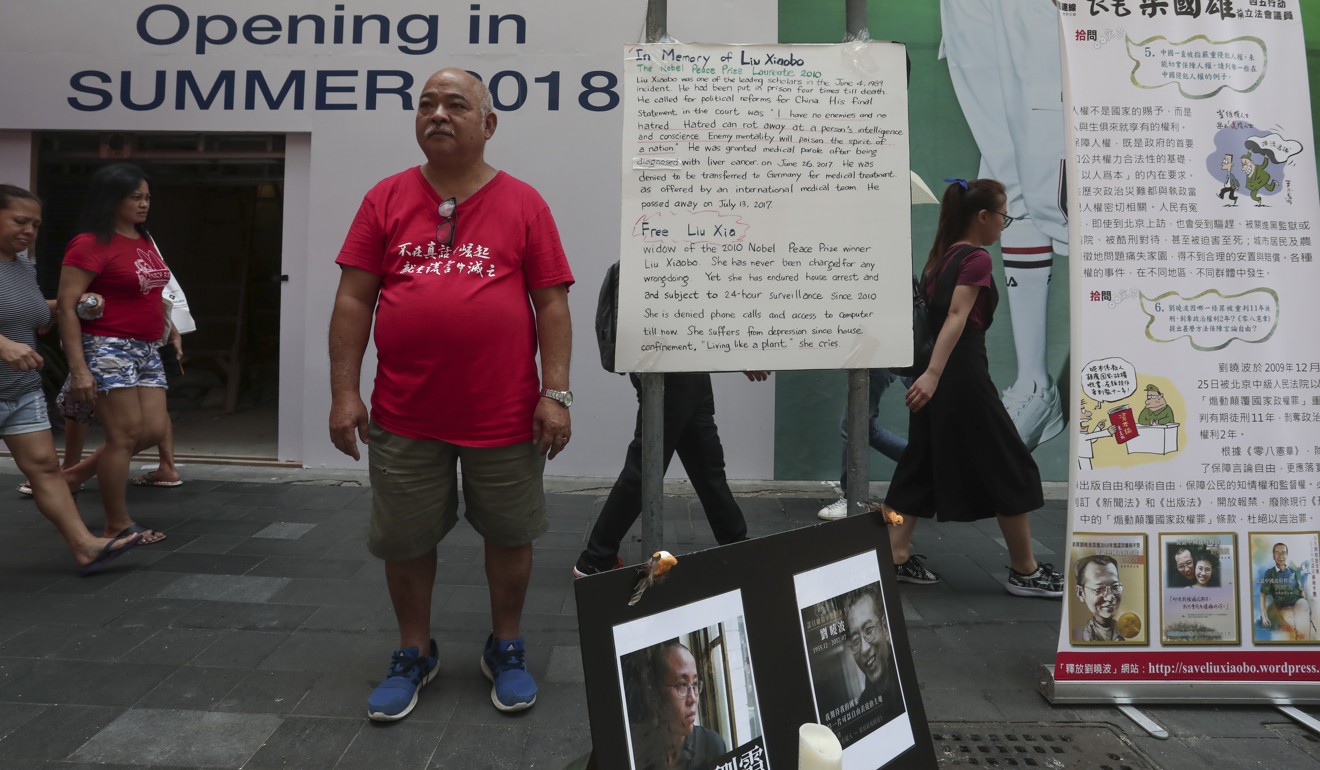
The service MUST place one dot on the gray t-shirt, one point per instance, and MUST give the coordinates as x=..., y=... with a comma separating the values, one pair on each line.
x=22, y=311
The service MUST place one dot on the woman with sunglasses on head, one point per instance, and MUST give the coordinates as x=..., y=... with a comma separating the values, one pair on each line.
x=119, y=367
x=24, y=424
x=964, y=460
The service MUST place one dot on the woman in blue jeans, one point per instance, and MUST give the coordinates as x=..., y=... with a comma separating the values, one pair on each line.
x=882, y=440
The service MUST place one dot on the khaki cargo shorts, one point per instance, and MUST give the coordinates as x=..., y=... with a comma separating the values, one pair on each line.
x=414, y=491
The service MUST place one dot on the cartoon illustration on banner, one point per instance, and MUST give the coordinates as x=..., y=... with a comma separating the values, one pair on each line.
x=1108, y=589
x=1140, y=426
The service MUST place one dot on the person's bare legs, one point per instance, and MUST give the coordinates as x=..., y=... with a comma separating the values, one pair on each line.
x=1017, y=535
x=166, y=471
x=34, y=453
x=134, y=420
x=411, y=583
x=76, y=475
x=900, y=539
x=508, y=571
x=75, y=440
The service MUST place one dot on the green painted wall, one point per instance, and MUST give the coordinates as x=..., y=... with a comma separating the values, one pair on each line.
x=809, y=404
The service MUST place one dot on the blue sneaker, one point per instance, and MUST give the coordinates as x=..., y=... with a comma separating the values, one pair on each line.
x=504, y=663
x=409, y=672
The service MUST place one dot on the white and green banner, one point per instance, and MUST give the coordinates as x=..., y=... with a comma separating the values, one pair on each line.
x=1193, y=550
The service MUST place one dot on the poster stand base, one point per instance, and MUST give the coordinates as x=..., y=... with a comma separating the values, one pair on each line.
x=1301, y=717
x=1124, y=693
x=1144, y=722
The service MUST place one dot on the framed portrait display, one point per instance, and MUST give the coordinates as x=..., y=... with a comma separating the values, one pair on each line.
x=1107, y=589
x=1284, y=568
x=850, y=653
x=1198, y=588
x=718, y=665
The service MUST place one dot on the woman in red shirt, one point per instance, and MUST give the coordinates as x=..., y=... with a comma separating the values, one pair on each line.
x=119, y=368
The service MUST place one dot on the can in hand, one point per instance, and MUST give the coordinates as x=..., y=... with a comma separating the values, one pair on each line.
x=89, y=309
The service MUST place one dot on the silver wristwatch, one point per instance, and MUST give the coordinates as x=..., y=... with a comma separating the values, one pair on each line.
x=564, y=397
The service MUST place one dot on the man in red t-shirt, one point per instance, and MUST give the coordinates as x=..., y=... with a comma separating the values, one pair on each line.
x=446, y=256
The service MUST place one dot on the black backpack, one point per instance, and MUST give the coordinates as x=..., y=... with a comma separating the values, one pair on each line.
x=607, y=316
x=924, y=315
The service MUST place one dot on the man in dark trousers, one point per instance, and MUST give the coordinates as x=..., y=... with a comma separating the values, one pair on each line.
x=690, y=431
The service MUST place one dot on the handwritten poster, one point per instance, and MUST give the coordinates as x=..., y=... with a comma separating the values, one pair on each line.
x=766, y=201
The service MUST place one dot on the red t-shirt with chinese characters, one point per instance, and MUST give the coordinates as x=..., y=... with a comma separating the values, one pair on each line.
x=974, y=271
x=455, y=330
x=130, y=275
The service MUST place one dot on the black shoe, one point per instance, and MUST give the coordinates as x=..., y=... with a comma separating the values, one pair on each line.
x=1043, y=582
x=585, y=568
x=913, y=571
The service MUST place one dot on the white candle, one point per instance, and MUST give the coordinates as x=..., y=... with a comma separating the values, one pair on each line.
x=818, y=749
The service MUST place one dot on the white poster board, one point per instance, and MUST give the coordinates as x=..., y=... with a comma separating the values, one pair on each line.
x=1193, y=553
x=765, y=212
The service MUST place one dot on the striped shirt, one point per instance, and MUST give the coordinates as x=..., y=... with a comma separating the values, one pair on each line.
x=22, y=311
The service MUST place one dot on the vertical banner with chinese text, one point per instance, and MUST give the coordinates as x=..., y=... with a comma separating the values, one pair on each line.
x=1193, y=549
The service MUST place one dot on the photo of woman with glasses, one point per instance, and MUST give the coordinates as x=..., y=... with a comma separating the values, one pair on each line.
x=664, y=694
x=1199, y=603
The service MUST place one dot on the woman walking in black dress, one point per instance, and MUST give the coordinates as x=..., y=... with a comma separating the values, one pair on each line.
x=964, y=459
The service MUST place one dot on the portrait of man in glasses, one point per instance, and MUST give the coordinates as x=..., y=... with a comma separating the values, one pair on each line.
x=868, y=641
x=1184, y=562
x=663, y=689
x=1098, y=588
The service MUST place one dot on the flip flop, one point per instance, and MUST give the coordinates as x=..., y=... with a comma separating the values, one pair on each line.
x=149, y=480
x=109, y=553
x=138, y=529
x=26, y=489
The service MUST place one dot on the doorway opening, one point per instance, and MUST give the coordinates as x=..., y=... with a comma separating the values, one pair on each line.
x=217, y=217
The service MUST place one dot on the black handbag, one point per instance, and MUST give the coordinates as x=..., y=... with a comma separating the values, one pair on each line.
x=925, y=330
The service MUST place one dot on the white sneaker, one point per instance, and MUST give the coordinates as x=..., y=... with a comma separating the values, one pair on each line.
x=834, y=511
x=1036, y=412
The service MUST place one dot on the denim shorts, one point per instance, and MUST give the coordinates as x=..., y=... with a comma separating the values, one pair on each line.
x=25, y=414
x=117, y=362
x=414, y=490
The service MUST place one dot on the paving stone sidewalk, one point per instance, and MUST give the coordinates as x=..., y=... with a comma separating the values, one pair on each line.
x=251, y=637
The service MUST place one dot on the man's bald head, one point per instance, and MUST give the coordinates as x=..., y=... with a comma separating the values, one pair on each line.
x=482, y=94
